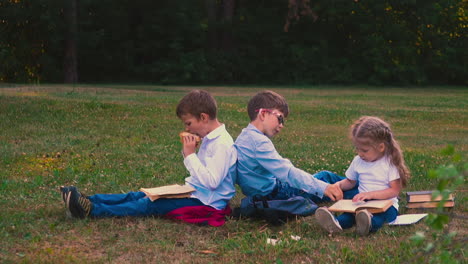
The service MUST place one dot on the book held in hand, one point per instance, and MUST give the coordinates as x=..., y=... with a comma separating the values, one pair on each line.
x=373, y=206
x=169, y=191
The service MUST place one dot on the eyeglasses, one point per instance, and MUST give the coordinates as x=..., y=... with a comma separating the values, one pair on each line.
x=279, y=116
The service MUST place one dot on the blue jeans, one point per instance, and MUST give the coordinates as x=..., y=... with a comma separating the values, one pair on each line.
x=135, y=204
x=347, y=220
x=284, y=191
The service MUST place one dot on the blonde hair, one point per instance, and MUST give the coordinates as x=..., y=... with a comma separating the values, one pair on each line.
x=378, y=131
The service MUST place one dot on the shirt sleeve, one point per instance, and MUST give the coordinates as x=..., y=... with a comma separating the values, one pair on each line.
x=393, y=173
x=216, y=169
x=285, y=171
x=351, y=172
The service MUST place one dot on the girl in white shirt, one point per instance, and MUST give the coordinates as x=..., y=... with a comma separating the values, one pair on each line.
x=381, y=172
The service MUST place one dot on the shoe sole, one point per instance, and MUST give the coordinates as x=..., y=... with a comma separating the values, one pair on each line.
x=363, y=223
x=327, y=221
x=66, y=199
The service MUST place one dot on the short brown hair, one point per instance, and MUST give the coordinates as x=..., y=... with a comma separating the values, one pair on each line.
x=267, y=100
x=197, y=102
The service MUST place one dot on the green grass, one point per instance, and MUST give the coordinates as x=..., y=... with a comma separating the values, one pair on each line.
x=112, y=139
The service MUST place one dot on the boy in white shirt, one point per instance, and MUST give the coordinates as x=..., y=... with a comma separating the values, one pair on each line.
x=212, y=174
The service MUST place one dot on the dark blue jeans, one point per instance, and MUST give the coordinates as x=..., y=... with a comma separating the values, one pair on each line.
x=284, y=190
x=347, y=220
x=135, y=204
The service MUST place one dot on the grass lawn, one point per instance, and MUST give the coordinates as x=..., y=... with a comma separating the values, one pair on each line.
x=113, y=139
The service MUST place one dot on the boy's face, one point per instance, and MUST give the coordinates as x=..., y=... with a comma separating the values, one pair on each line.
x=273, y=122
x=194, y=125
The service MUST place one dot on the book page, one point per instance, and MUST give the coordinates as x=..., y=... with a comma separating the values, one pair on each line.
x=407, y=219
x=169, y=189
x=346, y=205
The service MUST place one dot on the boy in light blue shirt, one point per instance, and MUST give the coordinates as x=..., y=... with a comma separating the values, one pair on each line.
x=262, y=173
x=212, y=172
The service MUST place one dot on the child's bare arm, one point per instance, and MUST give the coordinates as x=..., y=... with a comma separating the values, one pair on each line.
x=346, y=184
x=393, y=191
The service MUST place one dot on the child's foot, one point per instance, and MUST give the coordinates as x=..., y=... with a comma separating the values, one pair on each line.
x=327, y=220
x=79, y=205
x=363, y=222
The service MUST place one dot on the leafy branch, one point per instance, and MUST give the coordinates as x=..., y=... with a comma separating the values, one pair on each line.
x=439, y=247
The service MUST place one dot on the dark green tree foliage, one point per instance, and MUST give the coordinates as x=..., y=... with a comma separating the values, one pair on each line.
x=388, y=42
x=31, y=40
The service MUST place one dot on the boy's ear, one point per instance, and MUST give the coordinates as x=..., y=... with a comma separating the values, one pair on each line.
x=204, y=117
x=261, y=115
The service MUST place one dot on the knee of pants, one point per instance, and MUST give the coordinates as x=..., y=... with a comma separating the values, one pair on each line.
x=328, y=177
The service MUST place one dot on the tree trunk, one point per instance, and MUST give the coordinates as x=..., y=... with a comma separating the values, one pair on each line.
x=212, y=35
x=228, y=14
x=70, y=58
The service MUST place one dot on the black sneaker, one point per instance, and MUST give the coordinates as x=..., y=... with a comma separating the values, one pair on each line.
x=79, y=205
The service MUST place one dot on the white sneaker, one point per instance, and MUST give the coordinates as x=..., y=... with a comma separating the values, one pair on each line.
x=363, y=222
x=327, y=220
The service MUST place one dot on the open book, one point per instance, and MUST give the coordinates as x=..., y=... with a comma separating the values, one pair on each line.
x=169, y=191
x=407, y=219
x=373, y=206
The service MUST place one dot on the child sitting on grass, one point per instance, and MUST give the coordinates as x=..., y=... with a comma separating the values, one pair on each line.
x=210, y=174
x=380, y=170
x=267, y=178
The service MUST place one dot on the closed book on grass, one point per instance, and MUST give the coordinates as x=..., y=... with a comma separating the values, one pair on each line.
x=424, y=196
x=373, y=206
x=430, y=204
x=168, y=191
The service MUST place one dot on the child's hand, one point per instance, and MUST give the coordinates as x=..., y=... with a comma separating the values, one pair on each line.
x=189, y=145
x=334, y=192
x=361, y=197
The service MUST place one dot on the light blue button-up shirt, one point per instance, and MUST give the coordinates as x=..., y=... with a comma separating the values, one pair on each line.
x=212, y=169
x=259, y=166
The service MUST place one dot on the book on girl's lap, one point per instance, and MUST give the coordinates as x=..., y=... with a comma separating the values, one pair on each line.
x=373, y=206
x=168, y=191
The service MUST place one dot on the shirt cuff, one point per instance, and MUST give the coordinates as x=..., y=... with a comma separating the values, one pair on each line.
x=321, y=188
x=190, y=160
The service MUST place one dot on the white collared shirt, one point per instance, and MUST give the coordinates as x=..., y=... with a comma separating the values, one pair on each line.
x=212, y=169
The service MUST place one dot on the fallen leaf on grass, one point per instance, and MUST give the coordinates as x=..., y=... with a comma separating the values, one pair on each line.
x=273, y=242
x=297, y=238
x=207, y=252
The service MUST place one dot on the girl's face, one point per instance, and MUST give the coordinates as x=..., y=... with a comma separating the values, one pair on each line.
x=369, y=152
